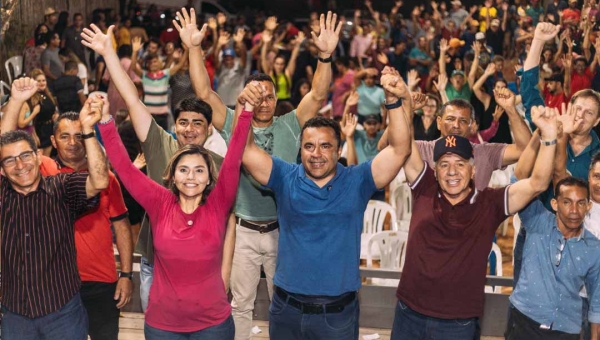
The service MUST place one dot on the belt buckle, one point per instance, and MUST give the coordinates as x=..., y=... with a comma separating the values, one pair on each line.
x=310, y=308
x=263, y=228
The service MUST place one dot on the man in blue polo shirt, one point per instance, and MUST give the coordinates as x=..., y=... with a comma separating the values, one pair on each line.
x=320, y=207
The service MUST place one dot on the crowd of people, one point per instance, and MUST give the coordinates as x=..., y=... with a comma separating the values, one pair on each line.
x=221, y=148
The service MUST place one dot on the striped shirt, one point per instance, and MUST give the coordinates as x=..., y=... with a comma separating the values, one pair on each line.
x=156, y=88
x=39, y=264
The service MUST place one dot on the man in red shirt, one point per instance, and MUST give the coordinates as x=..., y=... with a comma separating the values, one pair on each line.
x=554, y=93
x=101, y=291
x=581, y=78
x=449, y=241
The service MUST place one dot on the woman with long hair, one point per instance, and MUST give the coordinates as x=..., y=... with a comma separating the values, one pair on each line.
x=280, y=71
x=301, y=88
x=44, y=103
x=188, y=218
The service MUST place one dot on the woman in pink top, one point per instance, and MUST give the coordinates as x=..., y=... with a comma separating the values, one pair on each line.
x=187, y=298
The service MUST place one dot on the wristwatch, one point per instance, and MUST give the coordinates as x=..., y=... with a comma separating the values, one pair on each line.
x=547, y=143
x=127, y=275
x=395, y=105
x=88, y=135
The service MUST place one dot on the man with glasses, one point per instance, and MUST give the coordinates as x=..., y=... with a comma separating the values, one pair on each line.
x=41, y=281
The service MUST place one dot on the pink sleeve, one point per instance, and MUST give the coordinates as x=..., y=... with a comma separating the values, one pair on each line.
x=224, y=193
x=145, y=191
x=490, y=132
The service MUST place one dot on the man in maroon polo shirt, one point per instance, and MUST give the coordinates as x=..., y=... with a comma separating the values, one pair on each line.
x=441, y=292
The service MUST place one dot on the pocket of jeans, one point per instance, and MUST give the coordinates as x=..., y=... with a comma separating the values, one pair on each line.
x=463, y=322
x=277, y=305
x=344, y=319
x=402, y=305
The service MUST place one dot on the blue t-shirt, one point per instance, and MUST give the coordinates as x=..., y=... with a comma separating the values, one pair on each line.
x=370, y=99
x=319, y=228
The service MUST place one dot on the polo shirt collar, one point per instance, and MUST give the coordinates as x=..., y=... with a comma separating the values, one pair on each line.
x=62, y=167
x=591, y=148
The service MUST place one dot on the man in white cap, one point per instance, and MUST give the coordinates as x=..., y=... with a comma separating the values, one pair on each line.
x=50, y=18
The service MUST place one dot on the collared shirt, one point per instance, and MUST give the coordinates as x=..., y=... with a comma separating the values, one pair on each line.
x=93, y=234
x=448, y=248
x=320, y=227
x=39, y=265
x=554, y=271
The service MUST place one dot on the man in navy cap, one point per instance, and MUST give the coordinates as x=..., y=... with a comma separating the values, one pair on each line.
x=451, y=234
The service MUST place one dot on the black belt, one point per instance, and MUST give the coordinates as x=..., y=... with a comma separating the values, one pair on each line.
x=262, y=228
x=316, y=308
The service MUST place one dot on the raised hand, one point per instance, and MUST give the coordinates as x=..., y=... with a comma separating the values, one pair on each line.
x=441, y=83
x=398, y=3
x=567, y=60
x=413, y=79
x=397, y=88
x=349, y=126
x=545, y=31
x=252, y=94
x=221, y=19
x=299, y=38
x=490, y=69
x=136, y=44
x=22, y=89
x=91, y=112
x=444, y=47
x=545, y=119
x=224, y=39
x=505, y=6
x=376, y=16
x=212, y=24
x=473, y=9
x=498, y=112
x=434, y=5
x=188, y=31
x=505, y=98
x=368, y=3
x=140, y=161
x=569, y=120
x=477, y=47
x=96, y=40
x=419, y=100
x=271, y=23
x=239, y=35
x=352, y=99
x=329, y=36
x=266, y=36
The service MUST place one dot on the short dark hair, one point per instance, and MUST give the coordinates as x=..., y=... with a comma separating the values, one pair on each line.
x=15, y=136
x=458, y=103
x=190, y=149
x=77, y=15
x=259, y=77
x=69, y=115
x=595, y=159
x=124, y=51
x=50, y=36
x=193, y=104
x=343, y=61
x=588, y=93
x=322, y=122
x=572, y=182
x=71, y=65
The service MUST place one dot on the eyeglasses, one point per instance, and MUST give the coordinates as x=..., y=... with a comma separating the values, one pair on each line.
x=25, y=157
x=560, y=251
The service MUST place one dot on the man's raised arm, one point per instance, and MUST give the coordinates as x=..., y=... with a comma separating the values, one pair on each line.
x=192, y=37
x=90, y=114
x=389, y=161
x=523, y=191
x=326, y=43
x=22, y=89
x=102, y=44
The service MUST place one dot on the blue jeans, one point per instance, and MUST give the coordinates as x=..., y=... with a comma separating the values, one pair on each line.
x=410, y=325
x=146, y=276
x=288, y=323
x=69, y=322
x=223, y=331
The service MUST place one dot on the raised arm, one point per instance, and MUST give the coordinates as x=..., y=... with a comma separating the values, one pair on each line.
x=543, y=32
x=184, y=57
x=136, y=46
x=326, y=42
x=523, y=191
x=440, y=85
x=568, y=123
x=256, y=161
x=521, y=133
x=567, y=62
x=442, y=60
x=97, y=164
x=266, y=37
x=21, y=90
x=102, y=44
x=482, y=95
x=291, y=66
x=24, y=121
x=389, y=161
x=475, y=64
x=238, y=39
x=348, y=124
x=192, y=38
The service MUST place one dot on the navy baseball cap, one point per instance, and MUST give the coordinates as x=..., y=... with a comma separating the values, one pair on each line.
x=452, y=144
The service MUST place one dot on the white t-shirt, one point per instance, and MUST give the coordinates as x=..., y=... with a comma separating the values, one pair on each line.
x=82, y=74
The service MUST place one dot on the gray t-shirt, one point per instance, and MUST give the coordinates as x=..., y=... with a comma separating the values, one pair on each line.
x=487, y=158
x=50, y=57
x=230, y=82
x=281, y=139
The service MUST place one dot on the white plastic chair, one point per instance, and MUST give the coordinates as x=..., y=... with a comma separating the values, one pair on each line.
x=16, y=65
x=496, y=250
x=4, y=86
x=392, y=251
x=401, y=201
x=373, y=219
